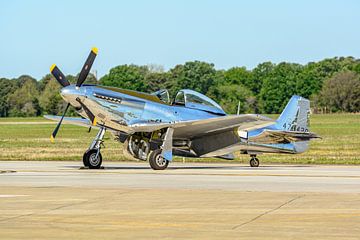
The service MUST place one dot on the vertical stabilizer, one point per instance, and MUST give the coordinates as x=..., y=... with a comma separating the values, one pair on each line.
x=295, y=116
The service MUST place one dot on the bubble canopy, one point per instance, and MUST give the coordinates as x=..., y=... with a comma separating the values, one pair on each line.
x=196, y=100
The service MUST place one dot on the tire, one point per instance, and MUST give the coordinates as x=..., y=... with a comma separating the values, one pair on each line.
x=254, y=162
x=85, y=162
x=89, y=159
x=156, y=161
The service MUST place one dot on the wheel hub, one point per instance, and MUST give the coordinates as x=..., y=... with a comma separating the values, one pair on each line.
x=94, y=161
x=160, y=161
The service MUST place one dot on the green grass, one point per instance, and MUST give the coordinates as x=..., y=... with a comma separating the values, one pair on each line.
x=24, y=119
x=340, y=143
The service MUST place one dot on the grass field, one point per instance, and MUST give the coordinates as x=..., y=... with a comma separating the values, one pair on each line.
x=20, y=139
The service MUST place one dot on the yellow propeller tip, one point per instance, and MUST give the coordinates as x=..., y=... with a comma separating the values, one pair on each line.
x=95, y=50
x=52, y=139
x=52, y=67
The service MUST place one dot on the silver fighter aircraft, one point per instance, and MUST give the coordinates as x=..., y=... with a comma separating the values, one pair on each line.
x=154, y=128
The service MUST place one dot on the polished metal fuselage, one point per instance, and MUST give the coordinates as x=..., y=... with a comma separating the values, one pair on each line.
x=119, y=111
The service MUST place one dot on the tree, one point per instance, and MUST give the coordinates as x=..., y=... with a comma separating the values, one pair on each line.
x=7, y=87
x=90, y=79
x=156, y=81
x=24, y=101
x=259, y=74
x=230, y=95
x=264, y=89
x=341, y=92
x=198, y=76
x=50, y=99
x=130, y=77
x=239, y=75
x=279, y=86
x=356, y=67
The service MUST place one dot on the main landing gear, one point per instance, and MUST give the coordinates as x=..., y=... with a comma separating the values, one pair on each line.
x=254, y=162
x=92, y=157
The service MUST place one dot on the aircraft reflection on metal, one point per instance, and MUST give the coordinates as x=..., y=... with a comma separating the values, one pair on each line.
x=154, y=128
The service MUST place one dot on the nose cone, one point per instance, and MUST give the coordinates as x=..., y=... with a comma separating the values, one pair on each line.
x=70, y=93
x=66, y=92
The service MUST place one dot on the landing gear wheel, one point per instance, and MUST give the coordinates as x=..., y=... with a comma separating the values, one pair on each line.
x=254, y=162
x=90, y=160
x=157, y=162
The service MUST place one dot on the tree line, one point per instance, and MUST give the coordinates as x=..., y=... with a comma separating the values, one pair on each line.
x=332, y=84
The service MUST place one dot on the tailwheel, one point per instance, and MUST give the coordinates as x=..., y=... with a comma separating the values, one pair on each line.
x=157, y=162
x=254, y=162
x=92, y=159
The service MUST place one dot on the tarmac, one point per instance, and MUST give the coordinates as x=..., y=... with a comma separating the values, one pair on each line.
x=61, y=200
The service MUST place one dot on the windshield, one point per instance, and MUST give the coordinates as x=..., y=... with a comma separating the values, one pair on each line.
x=163, y=95
x=180, y=98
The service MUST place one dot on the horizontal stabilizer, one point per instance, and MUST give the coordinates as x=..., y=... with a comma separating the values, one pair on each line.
x=280, y=136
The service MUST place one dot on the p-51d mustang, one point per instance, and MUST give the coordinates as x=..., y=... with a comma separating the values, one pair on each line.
x=155, y=129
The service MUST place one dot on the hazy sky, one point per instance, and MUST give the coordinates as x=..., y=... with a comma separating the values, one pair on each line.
x=35, y=34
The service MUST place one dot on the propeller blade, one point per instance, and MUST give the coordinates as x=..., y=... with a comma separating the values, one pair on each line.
x=86, y=68
x=60, y=77
x=53, y=135
x=88, y=112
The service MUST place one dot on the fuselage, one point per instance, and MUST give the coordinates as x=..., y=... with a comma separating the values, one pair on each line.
x=117, y=108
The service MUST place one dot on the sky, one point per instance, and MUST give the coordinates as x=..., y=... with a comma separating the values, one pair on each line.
x=35, y=34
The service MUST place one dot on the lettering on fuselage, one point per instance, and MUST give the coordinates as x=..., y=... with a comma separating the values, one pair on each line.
x=299, y=123
x=155, y=120
x=294, y=127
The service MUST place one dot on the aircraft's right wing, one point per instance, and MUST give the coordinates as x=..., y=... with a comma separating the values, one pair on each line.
x=196, y=128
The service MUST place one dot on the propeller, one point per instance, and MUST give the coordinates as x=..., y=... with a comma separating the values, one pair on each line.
x=60, y=77
x=86, y=68
x=53, y=135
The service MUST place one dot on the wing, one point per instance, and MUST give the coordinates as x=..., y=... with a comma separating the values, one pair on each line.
x=70, y=120
x=197, y=128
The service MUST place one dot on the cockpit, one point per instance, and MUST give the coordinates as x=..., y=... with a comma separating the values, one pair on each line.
x=191, y=99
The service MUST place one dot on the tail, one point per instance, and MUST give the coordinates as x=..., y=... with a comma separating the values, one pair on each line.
x=295, y=116
x=291, y=131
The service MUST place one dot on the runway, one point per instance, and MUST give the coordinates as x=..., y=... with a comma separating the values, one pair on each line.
x=60, y=200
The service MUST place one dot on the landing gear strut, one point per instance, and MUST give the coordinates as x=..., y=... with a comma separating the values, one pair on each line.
x=159, y=158
x=92, y=157
x=254, y=162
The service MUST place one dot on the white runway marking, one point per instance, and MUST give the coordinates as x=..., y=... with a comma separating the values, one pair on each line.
x=12, y=196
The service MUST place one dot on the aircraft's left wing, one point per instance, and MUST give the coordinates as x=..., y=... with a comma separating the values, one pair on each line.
x=71, y=120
